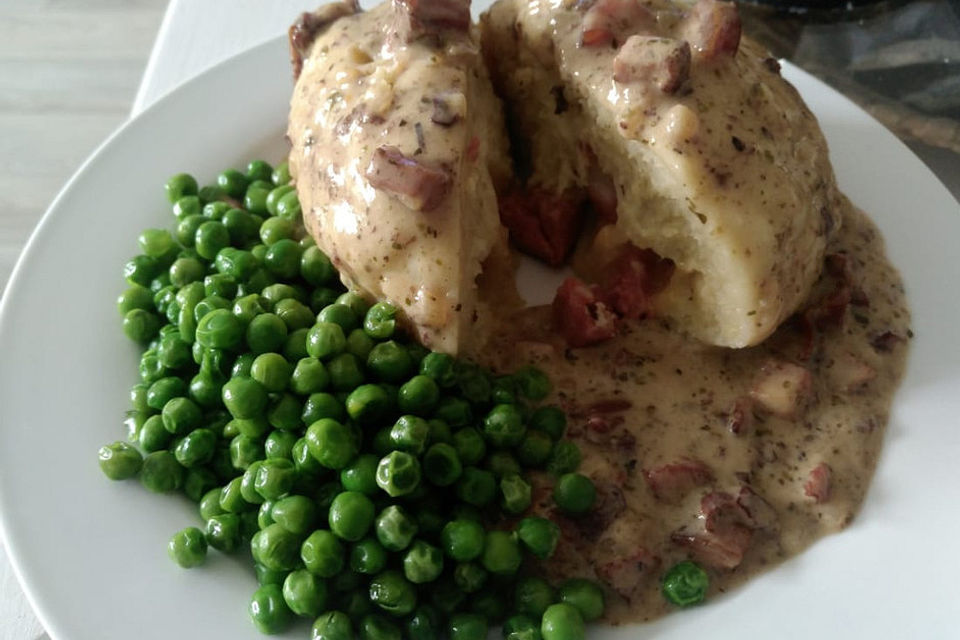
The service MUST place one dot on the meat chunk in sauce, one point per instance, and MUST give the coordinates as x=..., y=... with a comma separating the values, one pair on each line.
x=608, y=20
x=543, y=224
x=663, y=61
x=580, y=316
x=303, y=32
x=416, y=184
x=671, y=482
x=782, y=388
x=632, y=278
x=818, y=483
x=713, y=29
x=418, y=18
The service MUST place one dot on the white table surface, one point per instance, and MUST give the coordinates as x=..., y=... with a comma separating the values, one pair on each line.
x=194, y=35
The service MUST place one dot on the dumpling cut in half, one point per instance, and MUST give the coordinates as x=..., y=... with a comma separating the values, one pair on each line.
x=706, y=180
x=398, y=144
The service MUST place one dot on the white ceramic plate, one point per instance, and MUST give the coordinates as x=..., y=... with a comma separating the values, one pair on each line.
x=91, y=554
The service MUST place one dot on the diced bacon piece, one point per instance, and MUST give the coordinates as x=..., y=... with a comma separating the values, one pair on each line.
x=718, y=550
x=818, y=483
x=416, y=184
x=542, y=224
x=581, y=317
x=607, y=20
x=632, y=278
x=473, y=149
x=671, y=482
x=611, y=405
x=663, y=61
x=415, y=19
x=782, y=389
x=304, y=31
x=721, y=511
x=713, y=28
x=740, y=417
x=850, y=372
x=609, y=506
x=761, y=513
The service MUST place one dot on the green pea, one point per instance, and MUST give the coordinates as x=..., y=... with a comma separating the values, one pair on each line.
x=419, y=395
x=325, y=340
x=186, y=270
x=188, y=548
x=279, y=444
x=236, y=263
x=232, y=182
x=219, y=329
x=489, y=604
x=243, y=228
x=503, y=426
x=231, y=496
x=356, y=302
x=501, y=553
x=368, y=556
x=441, y=465
x=322, y=297
x=340, y=314
x=391, y=592
x=322, y=554
x=351, y=515
x=474, y=383
x=316, y=268
x=161, y=391
x=367, y=404
x=476, y=486
x=521, y=627
x=289, y=206
x=332, y=625
x=361, y=475
x=532, y=596
x=196, y=448
x=281, y=174
x=440, y=432
x=255, y=199
x=254, y=428
x=296, y=514
x=245, y=450
x=275, y=229
x=153, y=435
x=378, y=627
x=223, y=532
x=585, y=595
x=282, y=258
x=380, y=321
x=211, y=237
x=574, y=493
x=467, y=626
x=151, y=369
x=245, y=309
x=266, y=333
x=141, y=270
x=275, y=478
x=685, y=584
x=502, y=463
x=550, y=420
x=259, y=170
x=272, y=371
x=389, y=362
x=161, y=472
x=360, y=344
x=209, y=505
x=309, y=376
x=422, y=563
x=395, y=528
x=273, y=198
x=140, y=325
x=277, y=292
x=179, y=185
x=532, y=383
x=446, y=596
x=304, y=593
x=276, y=548
x=503, y=390
x=187, y=229
x=323, y=405
x=269, y=610
x=295, y=348
x=244, y=397
x=470, y=577
x=135, y=297
x=398, y=473
x=208, y=304
x=562, y=621
x=516, y=493
x=346, y=372
x=424, y=624
x=294, y=314
x=410, y=434
x=454, y=411
x=347, y=581
x=267, y=576
x=120, y=461
x=181, y=415
x=440, y=367
x=215, y=210
x=463, y=539
x=534, y=450
x=564, y=458
x=331, y=443
x=539, y=536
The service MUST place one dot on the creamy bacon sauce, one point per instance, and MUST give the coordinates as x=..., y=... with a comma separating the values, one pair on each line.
x=680, y=437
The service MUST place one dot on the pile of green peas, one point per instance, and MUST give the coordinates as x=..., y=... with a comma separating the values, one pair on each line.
x=380, y=488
